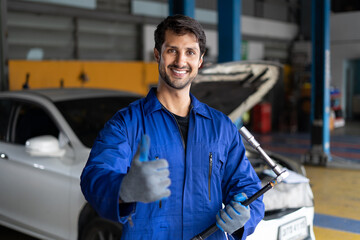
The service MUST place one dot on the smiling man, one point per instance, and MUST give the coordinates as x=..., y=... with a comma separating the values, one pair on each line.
x=164, y=165
x=179, y=53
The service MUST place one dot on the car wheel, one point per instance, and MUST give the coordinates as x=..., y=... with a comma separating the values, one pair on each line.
x=101, y=229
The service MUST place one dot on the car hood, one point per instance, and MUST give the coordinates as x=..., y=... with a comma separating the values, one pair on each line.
x=243, y=85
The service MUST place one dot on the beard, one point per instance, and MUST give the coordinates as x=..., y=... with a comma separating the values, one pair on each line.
x=175, y=84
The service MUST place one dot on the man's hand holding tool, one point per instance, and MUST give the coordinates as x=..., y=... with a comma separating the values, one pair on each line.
x=234, y=215
x=146, y=181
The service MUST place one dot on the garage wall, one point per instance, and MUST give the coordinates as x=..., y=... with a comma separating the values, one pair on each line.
x=50, y=34
x=131, y=76
x=58, y=37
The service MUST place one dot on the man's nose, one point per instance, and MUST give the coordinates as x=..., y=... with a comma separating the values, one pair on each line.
x=180, y=59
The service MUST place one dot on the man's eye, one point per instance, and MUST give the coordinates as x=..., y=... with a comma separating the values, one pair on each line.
x=191, y=53
x=171, y=51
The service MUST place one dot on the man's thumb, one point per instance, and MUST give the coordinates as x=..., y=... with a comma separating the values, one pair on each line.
x=144, y=148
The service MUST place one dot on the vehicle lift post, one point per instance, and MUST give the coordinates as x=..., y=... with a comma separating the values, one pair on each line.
x=319, y=153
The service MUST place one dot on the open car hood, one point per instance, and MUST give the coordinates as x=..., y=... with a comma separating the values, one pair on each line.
x=243, y=85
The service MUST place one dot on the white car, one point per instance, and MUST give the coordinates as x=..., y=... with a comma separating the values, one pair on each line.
x=45, y=139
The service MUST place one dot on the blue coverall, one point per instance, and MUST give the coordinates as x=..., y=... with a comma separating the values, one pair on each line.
x=205, y=172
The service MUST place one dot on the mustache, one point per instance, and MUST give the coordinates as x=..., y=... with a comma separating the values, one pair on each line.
x=178, y=67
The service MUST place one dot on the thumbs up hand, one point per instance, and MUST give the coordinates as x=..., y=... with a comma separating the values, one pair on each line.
x=146, y=181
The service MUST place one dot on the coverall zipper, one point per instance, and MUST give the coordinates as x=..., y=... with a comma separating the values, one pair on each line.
x=210, y=172
x=181, y=135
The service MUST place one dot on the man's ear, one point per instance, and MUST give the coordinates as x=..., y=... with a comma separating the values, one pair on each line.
x=201, y=60
x=156, y=55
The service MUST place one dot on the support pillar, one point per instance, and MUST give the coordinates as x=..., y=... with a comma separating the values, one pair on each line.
x=229, y=30
x=320, y=84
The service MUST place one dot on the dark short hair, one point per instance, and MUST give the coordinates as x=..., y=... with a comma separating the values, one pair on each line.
x=181, y=25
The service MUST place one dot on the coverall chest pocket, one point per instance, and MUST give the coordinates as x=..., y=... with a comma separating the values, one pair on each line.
x=216, y=160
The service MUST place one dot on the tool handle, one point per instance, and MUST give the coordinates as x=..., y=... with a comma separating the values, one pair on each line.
x=256, y=195
x=213, y=228
x=205, y=234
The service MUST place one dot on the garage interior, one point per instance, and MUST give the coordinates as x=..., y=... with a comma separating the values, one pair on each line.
x=104, y=43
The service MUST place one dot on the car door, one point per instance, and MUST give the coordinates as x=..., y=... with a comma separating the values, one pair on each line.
x=34, y=189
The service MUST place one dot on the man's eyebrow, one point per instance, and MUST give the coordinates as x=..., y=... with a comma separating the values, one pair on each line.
x=189, y=48
x=195, y=49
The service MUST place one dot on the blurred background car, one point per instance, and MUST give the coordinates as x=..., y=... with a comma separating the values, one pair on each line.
x=45, y=140
x=46, y=136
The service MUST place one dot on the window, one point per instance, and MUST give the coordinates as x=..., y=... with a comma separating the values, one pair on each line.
x=33, y=121
x=88, y=116
x=5, y=108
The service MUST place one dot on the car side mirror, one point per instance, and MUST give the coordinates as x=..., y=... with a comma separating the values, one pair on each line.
x=44, y=146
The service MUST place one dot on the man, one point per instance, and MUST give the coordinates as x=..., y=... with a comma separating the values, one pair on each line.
x=164, y=165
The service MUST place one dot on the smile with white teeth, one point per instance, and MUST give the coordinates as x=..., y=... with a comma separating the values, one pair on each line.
x=179, y=72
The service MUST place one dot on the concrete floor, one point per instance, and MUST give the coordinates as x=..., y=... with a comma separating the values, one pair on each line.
x=337, y=199
x=335, y=187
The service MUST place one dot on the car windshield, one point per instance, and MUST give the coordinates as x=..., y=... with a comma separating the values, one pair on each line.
x=88, y=116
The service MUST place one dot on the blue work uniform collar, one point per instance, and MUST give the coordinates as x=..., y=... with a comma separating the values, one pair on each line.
x=152, y=104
